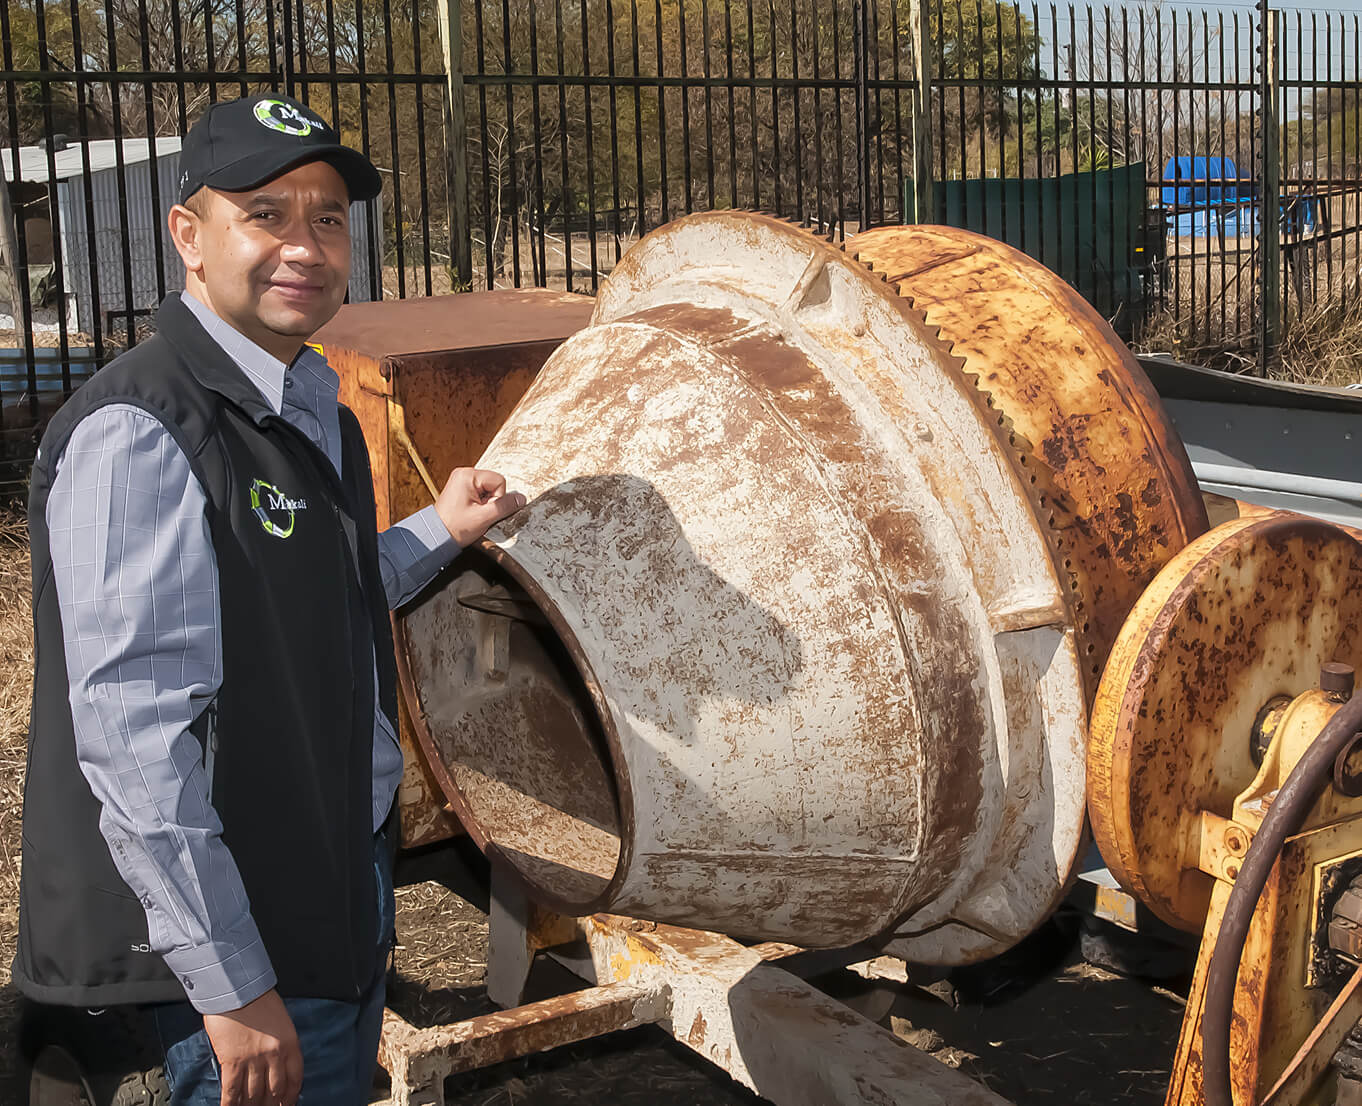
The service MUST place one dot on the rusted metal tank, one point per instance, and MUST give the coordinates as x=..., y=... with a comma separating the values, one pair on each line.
x=430, y=381
x=784, y=644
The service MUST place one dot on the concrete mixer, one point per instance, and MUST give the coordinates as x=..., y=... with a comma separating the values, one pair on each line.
x=853, y=582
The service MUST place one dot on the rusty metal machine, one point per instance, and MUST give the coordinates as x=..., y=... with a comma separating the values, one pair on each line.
x=1224, y=792
x=445, y=379
x=796, y=637
x=853, y=582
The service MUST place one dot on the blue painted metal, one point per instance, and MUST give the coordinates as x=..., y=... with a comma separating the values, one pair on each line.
x=1197, y=181
x=1205, y=197
x=14, y=371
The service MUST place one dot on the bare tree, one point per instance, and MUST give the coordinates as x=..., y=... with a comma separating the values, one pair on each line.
x=1145, y=49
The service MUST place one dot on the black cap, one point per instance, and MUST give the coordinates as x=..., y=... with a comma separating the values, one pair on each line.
x=240, y=144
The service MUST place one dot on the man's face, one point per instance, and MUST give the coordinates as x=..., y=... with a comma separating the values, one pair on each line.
x=275, y=260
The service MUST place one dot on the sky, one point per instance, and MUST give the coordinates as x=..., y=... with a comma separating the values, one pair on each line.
x=1308, y=47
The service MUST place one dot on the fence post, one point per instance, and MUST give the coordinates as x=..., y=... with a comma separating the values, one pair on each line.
x=861, y=70
x=9, y=253
x=1269, y=204
x=286, y=35
x=920, y=25
x=456, y=144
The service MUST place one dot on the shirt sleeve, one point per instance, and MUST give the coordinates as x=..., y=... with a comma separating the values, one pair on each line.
x=411, y=552
x=137, y=583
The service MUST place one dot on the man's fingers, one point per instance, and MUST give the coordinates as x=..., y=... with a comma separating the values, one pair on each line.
x=473, y=500
x=294, y=1070
x=233, y=1084
x=487, y=484
x=250, y=1044
x=503, y=507
x=277, y=1079
x=286, y=1077
x=257, y=1082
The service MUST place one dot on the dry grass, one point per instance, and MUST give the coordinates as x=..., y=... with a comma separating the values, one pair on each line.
x=1209, y=317
x=16, y=684
x=1164, y=333
x=1323, y=346
x=441, y=956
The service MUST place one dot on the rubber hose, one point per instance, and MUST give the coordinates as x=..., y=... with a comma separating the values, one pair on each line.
x=1286, y=815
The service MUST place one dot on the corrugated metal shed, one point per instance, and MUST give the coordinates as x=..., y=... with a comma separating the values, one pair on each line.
x=129, y=247
x=70, y=162
x=127, y=224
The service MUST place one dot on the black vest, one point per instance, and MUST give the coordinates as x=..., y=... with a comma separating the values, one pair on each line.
x=292, y=727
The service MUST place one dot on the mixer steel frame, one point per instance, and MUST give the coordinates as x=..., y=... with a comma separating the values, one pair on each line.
x=732, y=1004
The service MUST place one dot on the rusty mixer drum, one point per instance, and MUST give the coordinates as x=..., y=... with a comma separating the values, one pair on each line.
x=784, y=645
x=1122, y=498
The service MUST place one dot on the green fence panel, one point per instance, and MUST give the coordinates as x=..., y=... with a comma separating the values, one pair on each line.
x=1083, y=226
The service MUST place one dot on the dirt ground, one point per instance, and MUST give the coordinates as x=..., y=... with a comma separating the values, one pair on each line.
x=1040, y=1027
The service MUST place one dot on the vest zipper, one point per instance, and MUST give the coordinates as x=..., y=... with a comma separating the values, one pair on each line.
x=210, y=744
x=351, y=561
x=349, y=557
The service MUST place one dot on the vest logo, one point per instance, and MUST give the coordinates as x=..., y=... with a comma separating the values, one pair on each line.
x=282, y=117
x=276, y=511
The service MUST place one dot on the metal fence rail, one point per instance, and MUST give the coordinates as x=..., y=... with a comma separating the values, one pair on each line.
x=537, y=139
x=592, y=120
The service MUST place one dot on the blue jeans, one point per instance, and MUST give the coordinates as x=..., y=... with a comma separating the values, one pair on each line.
x=339, y=1039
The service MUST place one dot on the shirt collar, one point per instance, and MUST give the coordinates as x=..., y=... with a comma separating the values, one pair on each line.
x=312, y=372
x=264, y=370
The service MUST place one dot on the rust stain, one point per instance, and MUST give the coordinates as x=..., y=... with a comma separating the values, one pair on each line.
x=1243, y=615
x=423, y=1056
x=392, y=330
x=1124, y=498
x=695, y=1036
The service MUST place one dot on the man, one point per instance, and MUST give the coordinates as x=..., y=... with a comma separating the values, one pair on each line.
x=212, y=759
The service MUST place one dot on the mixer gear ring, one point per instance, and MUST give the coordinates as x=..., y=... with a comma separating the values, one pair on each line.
x=1099, y=457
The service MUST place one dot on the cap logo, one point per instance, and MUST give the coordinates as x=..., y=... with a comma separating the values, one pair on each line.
x=283, y=117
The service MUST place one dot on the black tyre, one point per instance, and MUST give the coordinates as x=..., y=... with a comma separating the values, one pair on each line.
x=1139, y=955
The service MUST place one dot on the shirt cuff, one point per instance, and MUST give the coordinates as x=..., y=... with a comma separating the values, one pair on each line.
x=225, y=975
x=436, y=547
x=417, y=548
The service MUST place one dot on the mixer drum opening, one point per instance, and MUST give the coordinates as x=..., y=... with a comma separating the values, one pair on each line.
x=509, y=719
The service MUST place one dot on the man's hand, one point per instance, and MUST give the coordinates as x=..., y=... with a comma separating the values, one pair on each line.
x=472, y=500
x=257, y=1050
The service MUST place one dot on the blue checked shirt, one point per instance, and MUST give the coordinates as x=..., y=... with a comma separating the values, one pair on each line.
x=137, y=583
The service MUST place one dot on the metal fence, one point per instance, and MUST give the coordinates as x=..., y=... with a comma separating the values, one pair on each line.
x=591, y=121
x=94, y=95
x=532, y=141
